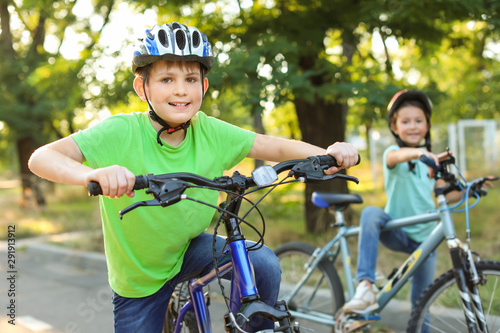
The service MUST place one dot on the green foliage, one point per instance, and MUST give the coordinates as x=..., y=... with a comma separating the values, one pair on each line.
x=314, y=53
x=273, y=51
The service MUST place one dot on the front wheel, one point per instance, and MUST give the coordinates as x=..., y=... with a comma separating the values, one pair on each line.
x=179, y=297
x=322, y=294
x=443, y=303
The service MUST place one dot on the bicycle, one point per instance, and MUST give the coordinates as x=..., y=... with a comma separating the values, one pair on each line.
x=313, y=290
x=188, y=308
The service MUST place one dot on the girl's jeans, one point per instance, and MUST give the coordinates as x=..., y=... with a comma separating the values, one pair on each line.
x=372, y=220
x=147, y=314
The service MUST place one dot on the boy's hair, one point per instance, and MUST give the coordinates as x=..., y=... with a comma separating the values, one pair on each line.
x=141, y=71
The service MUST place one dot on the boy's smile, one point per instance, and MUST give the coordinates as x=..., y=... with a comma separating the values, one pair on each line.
x=174, y=90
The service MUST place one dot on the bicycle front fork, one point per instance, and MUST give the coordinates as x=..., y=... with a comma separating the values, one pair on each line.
x=467, y=279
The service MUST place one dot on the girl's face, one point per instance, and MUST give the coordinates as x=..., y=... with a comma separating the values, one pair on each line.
x=174, y=89
x=411, y=125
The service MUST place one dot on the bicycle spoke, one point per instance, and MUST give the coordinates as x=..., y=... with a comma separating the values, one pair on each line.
x=443, y=303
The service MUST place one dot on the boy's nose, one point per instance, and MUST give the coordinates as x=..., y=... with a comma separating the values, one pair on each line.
x=179, y=88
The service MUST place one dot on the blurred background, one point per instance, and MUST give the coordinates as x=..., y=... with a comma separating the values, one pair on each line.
x=316, y=70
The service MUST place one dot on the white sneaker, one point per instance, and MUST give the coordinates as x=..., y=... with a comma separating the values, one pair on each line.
x=364, y=300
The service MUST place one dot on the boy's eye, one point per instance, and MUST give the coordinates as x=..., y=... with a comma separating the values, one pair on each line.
x=166, y=80
x=191, y=79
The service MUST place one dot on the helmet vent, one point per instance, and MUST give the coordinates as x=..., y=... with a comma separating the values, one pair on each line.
x=180, y=39
x=176, y=25
x=162, y=37
x=196, y=39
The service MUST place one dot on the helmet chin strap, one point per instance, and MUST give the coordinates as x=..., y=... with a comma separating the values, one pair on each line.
x=154, y=116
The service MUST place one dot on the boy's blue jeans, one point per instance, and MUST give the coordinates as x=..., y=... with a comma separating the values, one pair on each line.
x=147, y=314
x=372, y=220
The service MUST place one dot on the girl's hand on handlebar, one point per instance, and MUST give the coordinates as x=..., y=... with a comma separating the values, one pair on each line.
x=114, y=180
x=431, y=156
x=482, y=187
x=345, y=154
x=442, y=156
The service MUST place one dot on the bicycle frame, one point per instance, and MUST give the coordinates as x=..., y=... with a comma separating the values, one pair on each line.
x=243, y=287
x=339, y=246
x=168, y=189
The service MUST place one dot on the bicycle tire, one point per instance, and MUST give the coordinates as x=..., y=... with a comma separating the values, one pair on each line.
x=177, y=300
x=323, y=301
x=442, y=298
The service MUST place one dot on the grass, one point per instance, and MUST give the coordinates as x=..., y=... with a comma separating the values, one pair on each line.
x=68, y=210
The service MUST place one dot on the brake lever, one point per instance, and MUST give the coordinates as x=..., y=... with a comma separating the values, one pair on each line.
x=165, y=193
x=311, y=171
x=342, y=176
x=480, y=188
x=154, y=202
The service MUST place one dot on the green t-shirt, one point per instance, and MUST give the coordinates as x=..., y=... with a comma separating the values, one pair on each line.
x=146, y=248
x=409, y=193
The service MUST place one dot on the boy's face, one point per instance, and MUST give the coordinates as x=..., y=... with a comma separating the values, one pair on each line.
x=174, y=89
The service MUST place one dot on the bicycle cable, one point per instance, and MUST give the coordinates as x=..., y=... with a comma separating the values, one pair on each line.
x=259, y=244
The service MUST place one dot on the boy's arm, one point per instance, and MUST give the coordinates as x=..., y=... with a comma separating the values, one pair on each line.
x=62, y=161
x=269, y=148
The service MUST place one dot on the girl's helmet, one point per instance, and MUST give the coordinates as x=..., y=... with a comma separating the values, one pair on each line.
x=410, y=97
x=174, y=42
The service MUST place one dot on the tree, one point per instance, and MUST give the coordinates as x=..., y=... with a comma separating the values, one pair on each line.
x=318, y=54
x=40, y=87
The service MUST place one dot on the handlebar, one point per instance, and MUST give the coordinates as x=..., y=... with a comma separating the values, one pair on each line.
x=310, y=168
x=442, y=171
x=429, y=162
x=168, y=189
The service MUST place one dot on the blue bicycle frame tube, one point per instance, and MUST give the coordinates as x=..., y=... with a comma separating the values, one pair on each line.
x=185, y=309
x=200, y=309
x=197, y=302
x=243, y=276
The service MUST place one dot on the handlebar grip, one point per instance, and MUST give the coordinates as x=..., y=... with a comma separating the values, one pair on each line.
x=429, y=162
x=94, y=188
x=330, y=161
x=141, y=182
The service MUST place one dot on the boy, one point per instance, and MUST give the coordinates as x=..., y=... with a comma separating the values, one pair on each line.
x=153, y=249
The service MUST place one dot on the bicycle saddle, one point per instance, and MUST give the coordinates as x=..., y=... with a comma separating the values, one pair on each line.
x=336, y=200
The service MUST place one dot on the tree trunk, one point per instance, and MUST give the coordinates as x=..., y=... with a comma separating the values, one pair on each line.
x=29, y=182
x=321, y=124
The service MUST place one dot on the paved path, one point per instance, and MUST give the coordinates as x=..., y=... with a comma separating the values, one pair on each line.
x=58, y=290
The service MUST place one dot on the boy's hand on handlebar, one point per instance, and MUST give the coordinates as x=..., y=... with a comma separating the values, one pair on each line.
x=345, y=154
x=115, y=181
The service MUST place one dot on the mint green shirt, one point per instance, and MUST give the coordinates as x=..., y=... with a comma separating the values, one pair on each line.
x=409, y=193
x=146, y=248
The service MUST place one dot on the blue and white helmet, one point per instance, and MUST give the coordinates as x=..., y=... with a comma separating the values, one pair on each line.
x=174, y=42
